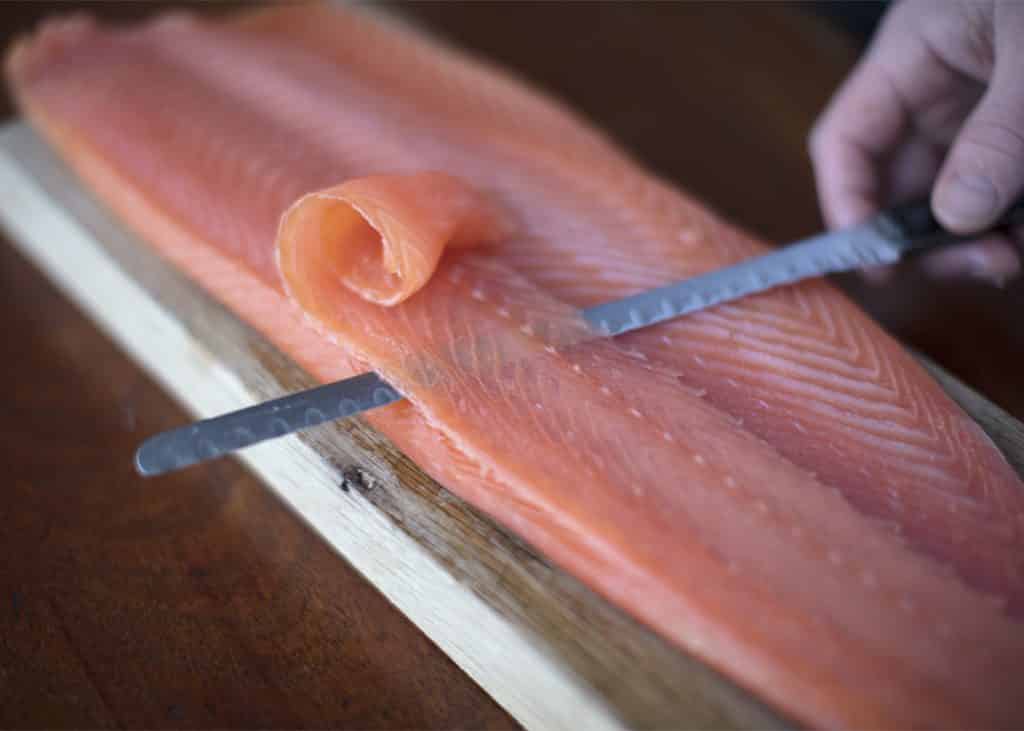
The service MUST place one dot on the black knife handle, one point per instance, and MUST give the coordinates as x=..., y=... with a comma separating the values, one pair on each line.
x=913, y=227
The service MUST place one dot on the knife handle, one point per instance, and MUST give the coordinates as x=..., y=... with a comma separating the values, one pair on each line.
x=913, y=227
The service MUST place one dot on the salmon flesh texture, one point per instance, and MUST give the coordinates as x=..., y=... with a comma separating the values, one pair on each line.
x=773, y=485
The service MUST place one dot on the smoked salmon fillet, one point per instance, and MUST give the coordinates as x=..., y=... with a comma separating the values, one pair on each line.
x=773, y=485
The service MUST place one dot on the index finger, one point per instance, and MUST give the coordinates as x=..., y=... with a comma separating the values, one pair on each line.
x=858, y=127
x=868, y=117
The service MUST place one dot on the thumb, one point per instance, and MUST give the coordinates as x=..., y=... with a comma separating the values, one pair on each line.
x=984, y=171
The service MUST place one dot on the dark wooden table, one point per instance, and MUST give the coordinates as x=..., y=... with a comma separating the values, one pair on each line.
x=206, y=603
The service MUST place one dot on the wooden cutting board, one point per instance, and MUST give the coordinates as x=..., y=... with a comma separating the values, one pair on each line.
x=546, y=648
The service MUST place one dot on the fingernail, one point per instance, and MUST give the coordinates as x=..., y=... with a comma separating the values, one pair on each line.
x=967, y=201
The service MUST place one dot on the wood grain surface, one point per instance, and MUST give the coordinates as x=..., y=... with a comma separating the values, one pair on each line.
x=206, y=603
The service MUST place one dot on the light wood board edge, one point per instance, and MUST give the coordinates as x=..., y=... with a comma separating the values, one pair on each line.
x=545, y=647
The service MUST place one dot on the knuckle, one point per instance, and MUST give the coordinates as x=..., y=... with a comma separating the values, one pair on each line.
x=996, y=145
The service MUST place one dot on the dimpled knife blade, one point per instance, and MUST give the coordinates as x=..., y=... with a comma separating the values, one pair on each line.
x=210, y=438
x=860, y=246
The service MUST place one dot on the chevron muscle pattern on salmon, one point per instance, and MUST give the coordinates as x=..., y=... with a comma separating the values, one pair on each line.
x=773, y=485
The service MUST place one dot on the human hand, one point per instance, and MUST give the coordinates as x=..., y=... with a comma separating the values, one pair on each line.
x=938, y=98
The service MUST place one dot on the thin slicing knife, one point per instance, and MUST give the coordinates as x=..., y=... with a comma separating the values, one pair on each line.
x=885, y=239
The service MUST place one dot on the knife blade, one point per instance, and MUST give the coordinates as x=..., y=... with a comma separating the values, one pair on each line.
x=885, y=239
